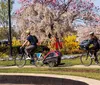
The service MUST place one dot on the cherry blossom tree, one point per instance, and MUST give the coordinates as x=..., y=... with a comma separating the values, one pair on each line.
x=81, y=9
x=58, y=15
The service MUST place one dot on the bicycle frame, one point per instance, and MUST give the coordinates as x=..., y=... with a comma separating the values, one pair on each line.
x=53, y=57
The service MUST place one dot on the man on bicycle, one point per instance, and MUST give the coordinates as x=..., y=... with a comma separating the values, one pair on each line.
x=93, y=45
x=31, y=45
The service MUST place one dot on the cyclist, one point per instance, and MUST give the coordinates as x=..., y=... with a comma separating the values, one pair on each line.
x=93, y=45
x=31, y=45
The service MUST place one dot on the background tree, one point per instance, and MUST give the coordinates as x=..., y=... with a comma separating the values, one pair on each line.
x=61, y=16
x=4, y=33
x=4, y=12
x=4, y=18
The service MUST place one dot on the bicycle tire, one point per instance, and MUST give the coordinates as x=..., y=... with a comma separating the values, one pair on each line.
x=98, y=57
x=38, y=62
x=20, y=60
x=52, y=63
x=86, y=59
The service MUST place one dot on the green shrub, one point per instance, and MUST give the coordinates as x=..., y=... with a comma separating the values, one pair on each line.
x=3, y=55
x=4, y=50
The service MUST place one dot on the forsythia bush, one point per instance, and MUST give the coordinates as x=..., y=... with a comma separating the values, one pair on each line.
x=15, y=42
x=70, y=44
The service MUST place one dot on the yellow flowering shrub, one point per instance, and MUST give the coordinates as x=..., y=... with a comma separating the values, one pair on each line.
x=15, y=42
x=70, y=44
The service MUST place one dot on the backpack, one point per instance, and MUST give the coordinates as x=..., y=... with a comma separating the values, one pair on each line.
x=35, y=39
x=84, y=44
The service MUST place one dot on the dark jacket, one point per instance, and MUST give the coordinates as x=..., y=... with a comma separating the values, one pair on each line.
x=94, y=41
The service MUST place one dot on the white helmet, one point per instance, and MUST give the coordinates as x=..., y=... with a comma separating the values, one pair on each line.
x=91, y=33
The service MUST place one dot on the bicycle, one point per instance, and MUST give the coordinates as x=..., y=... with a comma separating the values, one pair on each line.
x=20, y=59
x=87, y=57
x=52, y=58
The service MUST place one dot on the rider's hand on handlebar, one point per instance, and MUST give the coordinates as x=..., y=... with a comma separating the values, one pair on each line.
x=21, y=47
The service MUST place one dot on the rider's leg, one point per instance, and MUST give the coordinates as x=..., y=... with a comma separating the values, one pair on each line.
x=95, y=54
x=29, y=49
x=91, y=53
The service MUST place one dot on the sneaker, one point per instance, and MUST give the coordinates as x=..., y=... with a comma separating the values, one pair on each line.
x=28, y=58
x=96, y=62
x=92, y=57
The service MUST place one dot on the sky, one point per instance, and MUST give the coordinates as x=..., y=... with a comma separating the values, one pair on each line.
x=17, y=5
x=97, y=2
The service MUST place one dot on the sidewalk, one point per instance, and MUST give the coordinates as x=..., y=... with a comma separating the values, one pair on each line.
x=74, y=66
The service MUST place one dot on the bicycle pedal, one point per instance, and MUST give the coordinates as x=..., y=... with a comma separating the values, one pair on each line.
x=96, y=62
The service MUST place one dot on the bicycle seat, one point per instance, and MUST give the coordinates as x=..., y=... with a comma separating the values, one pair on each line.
x=38, y=54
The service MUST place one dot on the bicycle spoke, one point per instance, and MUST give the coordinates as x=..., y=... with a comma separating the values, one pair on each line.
x=98, y=57
x=86, y=59
x=20, y=60
x=38, y=61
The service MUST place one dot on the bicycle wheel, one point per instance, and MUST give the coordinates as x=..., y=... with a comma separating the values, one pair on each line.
x=20, y=60
x=86, y=59
x=98, y=56
x=38, y=62
x=52, y=63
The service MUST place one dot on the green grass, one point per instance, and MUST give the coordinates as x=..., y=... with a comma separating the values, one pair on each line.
x=11, y=63
x=71, y=62
x=6, y=63
x=68, y=62
x=83, y=72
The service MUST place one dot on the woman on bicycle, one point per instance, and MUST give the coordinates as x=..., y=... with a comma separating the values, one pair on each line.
x=93, y=45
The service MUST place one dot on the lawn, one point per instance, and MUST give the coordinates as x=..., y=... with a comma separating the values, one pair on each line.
x=84, y=72
x=67, y=62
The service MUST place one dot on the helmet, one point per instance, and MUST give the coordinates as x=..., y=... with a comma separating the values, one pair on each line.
x=91, y=33
x=27, y=32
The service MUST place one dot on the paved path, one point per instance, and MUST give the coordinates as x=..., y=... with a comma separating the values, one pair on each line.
x=86, y=80
x=82, y=66
x=75, y=66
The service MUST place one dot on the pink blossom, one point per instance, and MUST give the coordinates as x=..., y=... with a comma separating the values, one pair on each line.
x=17, y=11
